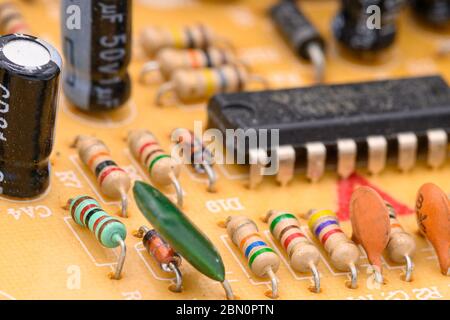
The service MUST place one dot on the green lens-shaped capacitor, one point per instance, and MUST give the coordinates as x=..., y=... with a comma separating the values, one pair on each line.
x=179, y=231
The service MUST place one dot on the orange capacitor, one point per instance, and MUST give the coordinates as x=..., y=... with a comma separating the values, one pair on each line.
x=371, y=226
x=433, y=218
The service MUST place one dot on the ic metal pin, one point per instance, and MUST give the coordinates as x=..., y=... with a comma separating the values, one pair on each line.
x=407, y=150
x=258, y=159
x=347, y=150
x=437, y=147
x=377, y=148
x=286, y=164
x=316, y=154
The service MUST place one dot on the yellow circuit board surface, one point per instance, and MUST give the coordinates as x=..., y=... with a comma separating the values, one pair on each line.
x=45, y=255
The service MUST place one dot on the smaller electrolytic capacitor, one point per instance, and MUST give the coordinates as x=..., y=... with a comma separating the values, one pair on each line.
x=401, y=245
x=195, y=153
x=371, y=227
x=303, y=255
x=262, y=259
x=169, y=60
x=433, y=218
x=163, y=253
x=200, y=84
x=301, y=34
x=367, y=26
x=163, y=169
x=110, y=232
x=198, y=36
x=11, y=20
x=114, y=182
x=97, y=53
x=29, y=84
x=344, y=253
x=434, y=12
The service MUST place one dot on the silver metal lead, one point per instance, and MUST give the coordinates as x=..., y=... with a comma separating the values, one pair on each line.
x=407, y=150
x=316, y=277
x=409, y=268
x=286, y=163
x=274, y=281
x=258, y=159
x=377, y=148
x=316, y=156
x=228, y=291
x=317, y=57
x=347, y=150
x=437, y=147
x=121, y=259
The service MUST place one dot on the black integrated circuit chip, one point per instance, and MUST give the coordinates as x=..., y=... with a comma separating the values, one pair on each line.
x=410, y=114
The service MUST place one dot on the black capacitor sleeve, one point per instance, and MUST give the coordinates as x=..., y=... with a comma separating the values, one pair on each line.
x=28, y=106
x=97, y=53
x=298, y=31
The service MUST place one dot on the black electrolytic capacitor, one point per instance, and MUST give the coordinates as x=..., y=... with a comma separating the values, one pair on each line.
x=29, y=87
x=300, y=33
x=96, y=35
x=367, y=25
x=435, y=12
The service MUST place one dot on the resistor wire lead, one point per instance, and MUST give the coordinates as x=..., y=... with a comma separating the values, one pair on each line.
x=303, y=255
x=344, y=254
x=201, y=158
x=110, y=232
x=401, y=245
x=168, y=60
x=163, y=253
x=113, y=180
x=262, y=260
x=163, y=169
x=200, y=84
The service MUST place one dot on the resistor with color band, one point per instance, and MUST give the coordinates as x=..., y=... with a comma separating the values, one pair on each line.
x=113, y=180
x=11, y=20
x=200, y=84
x=154, y=39
x=163, y=253
x=433, y=218
x=371, y=227
x=163, y=169
x=169, y=60
x=344, y=254
x=262, y=260
x=199, y=156
x=303, y=255
x=401, y=245
x=110, y=232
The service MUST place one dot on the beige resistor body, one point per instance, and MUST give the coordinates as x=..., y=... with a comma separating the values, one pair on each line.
x=199, y=84
x=344, y=253
x=11, y=20
x=401, y=246
x=114, y=182
x=303, y=255
x=170, y=60
x=154, y=39
x=163, y=169
x=262, y=260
